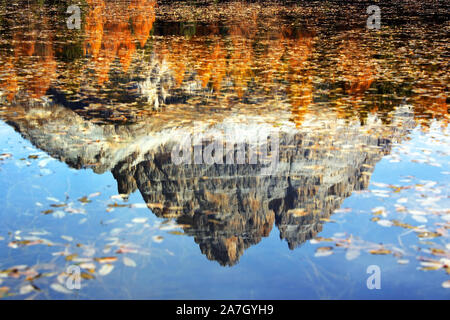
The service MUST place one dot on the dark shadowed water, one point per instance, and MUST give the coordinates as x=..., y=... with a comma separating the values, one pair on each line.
x=354, y=122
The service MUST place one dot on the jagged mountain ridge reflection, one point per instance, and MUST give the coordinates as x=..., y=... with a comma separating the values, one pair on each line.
x=225, y=207
x=228, y=208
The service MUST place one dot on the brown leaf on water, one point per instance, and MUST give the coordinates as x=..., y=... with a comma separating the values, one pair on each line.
x=380, y=251
x=116, y=205
x=14, y=273
x=47, y=211
x=402, y=224
x=323, y=251
x=430, y=268
x=106, y=259
x=438, y=252
x=343, y=242
x=71, y=257
x=177, y=233
x=428, y=234
x=378, y=211
x=126, y=250
x=84, y=200
x=22, y=243
x=58, y=205
x=32, y=275
x=87, y=276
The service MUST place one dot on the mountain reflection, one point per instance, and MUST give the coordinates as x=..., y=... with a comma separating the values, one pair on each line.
x=121, y=92
x=225, y=207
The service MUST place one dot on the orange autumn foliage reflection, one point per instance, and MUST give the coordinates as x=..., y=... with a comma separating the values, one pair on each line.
x=234, y=60
x=9, y=76
x=357, y=69
x=429, y=107
x=215, y=59
x=113, y=30
x=33, y=47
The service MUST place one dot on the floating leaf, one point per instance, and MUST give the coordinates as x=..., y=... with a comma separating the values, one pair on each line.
x=116, y=205
x=380, y=251
x=106, y=269
x=428, y=235
x=385, y=223
x=87, y=276
x=26, y=289
x=430, y=268
x=22, y=243
x=379, y=211
x=323, y=251
x=139, y=220
x=129, y=262
x=67, y=238
x=59, y=288
x=93, y=195
x=106, y=259
x=87, y=265
x=438, y=252
x=58, y=205
x=84, y=200
x=177, y=233
x=320, y=239
x=403, y=225
x=126, y=250
x=71, y=257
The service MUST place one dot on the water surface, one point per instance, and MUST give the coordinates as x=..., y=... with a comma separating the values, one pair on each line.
x=89, y=119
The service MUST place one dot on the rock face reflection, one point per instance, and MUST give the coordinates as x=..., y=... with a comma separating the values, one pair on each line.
x=225, y=207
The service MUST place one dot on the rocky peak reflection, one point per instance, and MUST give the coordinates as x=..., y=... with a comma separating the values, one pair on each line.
x=225, y=207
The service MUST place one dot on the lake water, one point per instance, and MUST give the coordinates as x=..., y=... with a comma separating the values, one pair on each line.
x=224, y=151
